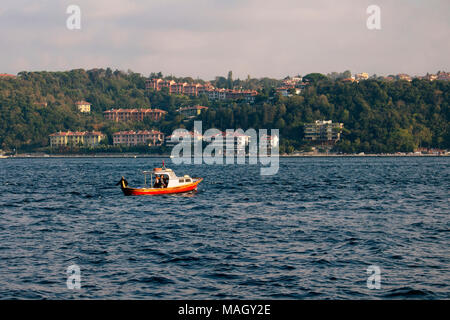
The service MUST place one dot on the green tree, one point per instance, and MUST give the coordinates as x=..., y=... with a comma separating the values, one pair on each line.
x=230, y=79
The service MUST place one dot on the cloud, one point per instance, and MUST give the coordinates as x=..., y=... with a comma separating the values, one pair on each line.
x=206, y=38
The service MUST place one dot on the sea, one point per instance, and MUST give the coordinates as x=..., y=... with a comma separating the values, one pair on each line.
x=321, y=228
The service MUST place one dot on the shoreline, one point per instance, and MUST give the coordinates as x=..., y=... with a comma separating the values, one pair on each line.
x=131, y=155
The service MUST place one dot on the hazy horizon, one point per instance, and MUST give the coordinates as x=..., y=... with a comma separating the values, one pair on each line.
x=207, y=38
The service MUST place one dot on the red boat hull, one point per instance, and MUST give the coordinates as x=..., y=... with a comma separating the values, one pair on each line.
x=157, y=191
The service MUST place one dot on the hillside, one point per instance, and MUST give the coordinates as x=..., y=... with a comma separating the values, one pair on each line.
x=378, y=116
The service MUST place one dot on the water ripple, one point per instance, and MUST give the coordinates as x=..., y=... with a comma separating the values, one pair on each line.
x=308, y=233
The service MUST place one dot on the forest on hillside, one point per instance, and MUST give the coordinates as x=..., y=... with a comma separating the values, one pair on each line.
x=379, y=116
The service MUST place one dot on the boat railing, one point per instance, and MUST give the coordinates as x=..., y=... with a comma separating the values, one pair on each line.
x=145, y=177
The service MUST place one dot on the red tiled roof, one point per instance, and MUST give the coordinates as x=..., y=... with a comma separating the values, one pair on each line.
x=76, y=133
x=158, y=110
x=134, y=110
x=131, y=132
x=82, y=102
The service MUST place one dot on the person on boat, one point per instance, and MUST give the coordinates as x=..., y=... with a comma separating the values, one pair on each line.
x=165, y=181
x=157, y=182
x=125, y=182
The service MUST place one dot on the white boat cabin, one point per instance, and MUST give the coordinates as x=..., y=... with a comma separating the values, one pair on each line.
x=165, y=178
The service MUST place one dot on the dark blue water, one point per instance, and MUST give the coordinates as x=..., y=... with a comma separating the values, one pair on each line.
x=308, y=233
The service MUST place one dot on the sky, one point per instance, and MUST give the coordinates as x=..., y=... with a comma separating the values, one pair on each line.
x=207, y=38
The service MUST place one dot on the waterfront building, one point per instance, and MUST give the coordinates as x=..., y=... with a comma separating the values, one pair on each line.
x=268, y=142
x=141, y=137
x=240, y=142
x=183, y=135
x=84, y=138
x=322, y=131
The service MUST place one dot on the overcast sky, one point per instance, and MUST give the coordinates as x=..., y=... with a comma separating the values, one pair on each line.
x=205, y=38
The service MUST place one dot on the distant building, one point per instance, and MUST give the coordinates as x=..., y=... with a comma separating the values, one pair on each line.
x=196, y=89
x=361, y=76
x=292, y=82
x=223, y=94
x=268, y=142
x=174, y=87
x=83, y=106
x=84, y=138
x=403, y=76
x=158, y=84
x=135, y=138
x=214, y=93
x=192, y=111
x=443, y=76
x=133, y=114
x=229, y=142
x=430, y=77
x=240, y=142
x=322, y=131
x=182, y=136
x=192, y=89
x=286, y=91
x=7, y=76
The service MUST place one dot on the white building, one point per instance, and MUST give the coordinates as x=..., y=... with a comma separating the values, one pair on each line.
x=83, y=106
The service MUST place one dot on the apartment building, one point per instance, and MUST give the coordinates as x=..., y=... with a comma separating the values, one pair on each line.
x=323, y=131
x=133, y=114
x=135, y=138
x=84, y=138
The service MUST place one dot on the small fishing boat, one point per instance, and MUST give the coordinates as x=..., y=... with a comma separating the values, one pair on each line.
x=162, y=181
